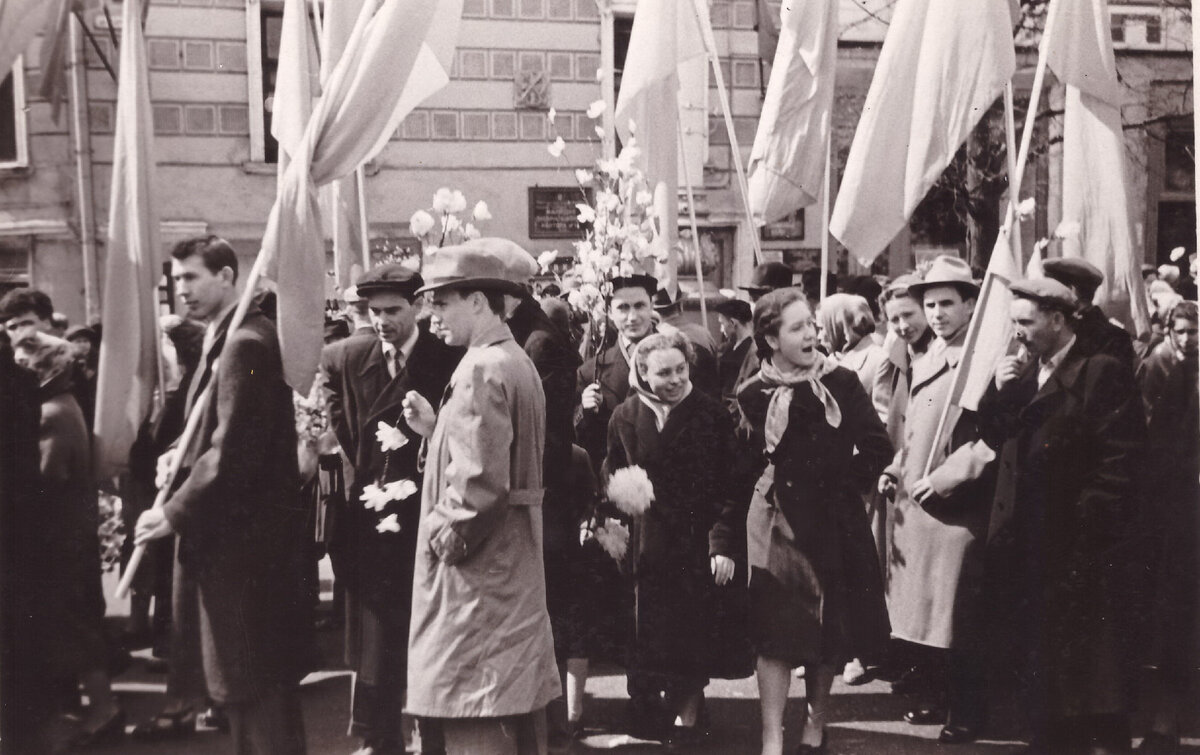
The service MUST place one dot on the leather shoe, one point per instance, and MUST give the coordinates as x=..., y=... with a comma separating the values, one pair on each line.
x=956, y=734
x=909, y=682
x=924, y=715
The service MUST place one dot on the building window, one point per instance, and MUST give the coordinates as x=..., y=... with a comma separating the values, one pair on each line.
x=264, y=25
x=1153, y=30
x=1118, y=28
x=13, y=137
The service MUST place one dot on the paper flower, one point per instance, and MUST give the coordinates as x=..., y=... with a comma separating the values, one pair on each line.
x=586, y=213
x=596, y=109
x=599, y=131
x=420, y=223
x=613, y=537
x=556, y=149
x=644, y=198
x=481, y=212
x=470, y=231
x=375, y=497
x=545, y=259
x=400, y=489
x=451, y=223
x=1026, y=207
x=388, y=524
x=1177, y=253
x=630, y=490
x=458, y=202
x=1068, y=229
x=551, y=115
x=390, y=438
x=600, y=72
x=583, y=176
x=441, y=200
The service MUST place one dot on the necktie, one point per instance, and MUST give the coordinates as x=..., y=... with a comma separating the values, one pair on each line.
x=396, y=365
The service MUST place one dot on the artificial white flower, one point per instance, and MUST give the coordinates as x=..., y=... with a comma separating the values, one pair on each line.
x=1068, y=229
x=644, y=198
x=388, y=524
x=420, y=223
x=613, y=537
x=586, y=213
x=458, y=202
x=481, y=212
x=470, y=231
x=583, y=176
x=1177, y=253
x=451, y=223
x=630, y=490
x=600, y=74
x=576, y=300
x=1026, y=207
x=599, y=131
x=627, y=157
x=608, y=167
x=551, y=115
x=632, y=127
x=556, y=148
x=441, y=200
x=545, y=259
x=596, y=109
x=400, y=489
x=390, y=438
x=375, y=497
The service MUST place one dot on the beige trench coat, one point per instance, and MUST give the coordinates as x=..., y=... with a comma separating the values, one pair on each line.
x=935, y=554
x=480, y=642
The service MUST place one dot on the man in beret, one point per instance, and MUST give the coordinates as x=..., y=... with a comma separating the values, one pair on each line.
x=481, y=651
x=368, y=377
x=1071, y=431
x=1095, y=333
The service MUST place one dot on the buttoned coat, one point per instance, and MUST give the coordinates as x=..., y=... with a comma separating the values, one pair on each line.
x=1061, y=540
x=609, y=368
x=935, y=553
x=242, y=607
x=378, y=566
x=480, y=642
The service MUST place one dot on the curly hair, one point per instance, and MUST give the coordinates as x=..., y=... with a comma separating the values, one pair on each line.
x=768, y=311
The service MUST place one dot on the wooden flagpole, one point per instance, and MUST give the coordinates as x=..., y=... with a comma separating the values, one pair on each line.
x=825, y=203
x=710, y=50
x=691, y=197
x=193, y=421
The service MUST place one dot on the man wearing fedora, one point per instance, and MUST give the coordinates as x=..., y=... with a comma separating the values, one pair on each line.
x=940, y=522
x=481, y=652
x=1071, y=431
x=368, y=378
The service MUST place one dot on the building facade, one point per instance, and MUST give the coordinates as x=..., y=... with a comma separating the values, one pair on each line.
x=212, y=71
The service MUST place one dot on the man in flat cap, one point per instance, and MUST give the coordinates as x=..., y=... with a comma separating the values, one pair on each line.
x=1093, y=330
x=1071, y=429
x=368, y=378
x=734, y=318
x=481, y=652
x=766, y=278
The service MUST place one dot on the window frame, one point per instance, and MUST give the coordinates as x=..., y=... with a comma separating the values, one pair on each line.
x=20, y=118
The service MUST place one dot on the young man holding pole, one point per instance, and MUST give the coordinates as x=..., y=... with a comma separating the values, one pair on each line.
x=242, y=614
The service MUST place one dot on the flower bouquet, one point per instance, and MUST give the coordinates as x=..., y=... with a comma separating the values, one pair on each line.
x=443, y=225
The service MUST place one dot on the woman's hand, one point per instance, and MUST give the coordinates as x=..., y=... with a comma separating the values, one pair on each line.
x=722, y=569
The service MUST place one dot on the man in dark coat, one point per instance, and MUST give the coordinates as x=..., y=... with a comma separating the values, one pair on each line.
x=603, y=381
x=1073, y=432
x=242, y=621
x=1094, y=333
x=735, y=317
x=368, y=378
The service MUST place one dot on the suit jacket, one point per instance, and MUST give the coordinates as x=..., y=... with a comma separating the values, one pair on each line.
x=610, y=369
x=244, y=617
x=1062, y=524
x=480, y=642
x=377, y=566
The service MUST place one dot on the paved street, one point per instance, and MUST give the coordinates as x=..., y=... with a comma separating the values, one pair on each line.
x=866, y=718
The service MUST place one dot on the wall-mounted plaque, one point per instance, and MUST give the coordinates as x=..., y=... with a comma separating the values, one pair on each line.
x=552, y=212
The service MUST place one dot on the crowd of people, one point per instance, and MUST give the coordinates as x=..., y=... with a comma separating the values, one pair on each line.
x=511, y=490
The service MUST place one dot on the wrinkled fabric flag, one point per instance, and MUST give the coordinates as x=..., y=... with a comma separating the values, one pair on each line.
x=943, y=63
x=787, y=163
x=990, y=332
x=665, y=34
x=129, y=371
x=20, y=22
x=370, y=90
x=1093, y=193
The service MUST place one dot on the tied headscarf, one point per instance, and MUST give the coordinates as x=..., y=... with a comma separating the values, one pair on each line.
x=641, y=387
x=784, y=385
x=846, y=320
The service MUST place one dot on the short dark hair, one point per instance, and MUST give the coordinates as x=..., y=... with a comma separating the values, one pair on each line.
x=767, y=313
x=22, y=300
x=214, y=251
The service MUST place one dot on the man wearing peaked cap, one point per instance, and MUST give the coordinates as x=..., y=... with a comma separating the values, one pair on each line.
x=1070, y=429
x=1096, y=334
x=367, y=378
x=481, y=650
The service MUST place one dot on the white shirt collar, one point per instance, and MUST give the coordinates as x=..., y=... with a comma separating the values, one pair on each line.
x=406, y=348
x=1046, y=367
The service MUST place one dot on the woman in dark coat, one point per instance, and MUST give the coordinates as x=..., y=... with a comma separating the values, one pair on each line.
x=1173, y=501
x=686, y=564
x=816, y=591
x=70, y=519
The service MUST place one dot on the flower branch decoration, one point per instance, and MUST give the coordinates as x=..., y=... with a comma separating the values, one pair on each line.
x=443, y=224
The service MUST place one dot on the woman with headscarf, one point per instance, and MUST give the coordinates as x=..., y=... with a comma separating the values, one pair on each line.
x=816, y=590
x=69, y=528
x=847, y=331
x=684, y=549
x=1178, y=343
